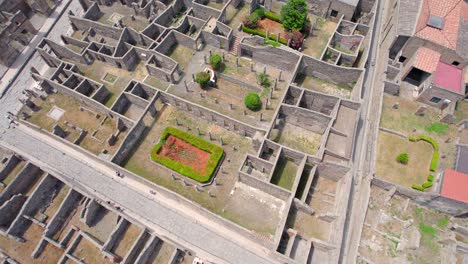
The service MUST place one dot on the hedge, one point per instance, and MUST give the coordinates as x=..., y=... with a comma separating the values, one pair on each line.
x=262, y=33
x=435, y=145
x=270, y=15
x=427, y=185
x=417, y=187
x=430, y=178
x=216, y=153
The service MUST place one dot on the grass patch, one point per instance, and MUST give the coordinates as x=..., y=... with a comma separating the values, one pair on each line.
x=443, y=222
x=438, y=128
x=284, y=174
x=216, y=153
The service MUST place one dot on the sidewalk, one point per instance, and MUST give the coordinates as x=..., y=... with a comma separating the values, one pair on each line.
x=20, y=62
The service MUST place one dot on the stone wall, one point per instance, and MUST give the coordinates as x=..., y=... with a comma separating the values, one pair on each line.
x=426, y=199
x=266, y=187
x=63, y=52
x=21, y=183
x=276, y=57
x=204, y=12
x=136, y=248
x=42, y=195
x=101, y=29
x=442, y=93
x=10, y=209
x=343, y=9
x=92, y=210
x=116, y=234
x=148, y=250
x=335, y=74
x=210, y=115
x=391, y=88
x=307, y=119
x=12, y=162
x=68, y=205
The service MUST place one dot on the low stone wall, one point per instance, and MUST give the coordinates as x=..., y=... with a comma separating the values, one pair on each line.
x=92, y=210
x=116, y=235
x=148, y=250
x=426, y=199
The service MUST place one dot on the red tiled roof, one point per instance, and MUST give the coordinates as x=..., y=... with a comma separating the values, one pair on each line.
x=426, y=59
x=448, y=77
x=451, y=11
x=455, y=185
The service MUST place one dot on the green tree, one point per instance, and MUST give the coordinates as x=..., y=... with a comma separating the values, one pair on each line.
x=252, y=101
x=203, y=78
x=294, y=14
x=215, y=61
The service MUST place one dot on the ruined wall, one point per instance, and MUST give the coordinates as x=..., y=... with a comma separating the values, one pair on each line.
x=68, y=205
x=101, y=29
x=210, y=115
x=8, y=167
x=21, y=183
x=204, y=12
x=282, y=59
x=435, y=91
x=266, y=187
x=10, y=209
x=313, y=121
x=427, y=199
x=335, y=74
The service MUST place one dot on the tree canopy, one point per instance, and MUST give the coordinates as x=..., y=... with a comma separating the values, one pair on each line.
x=294, y=14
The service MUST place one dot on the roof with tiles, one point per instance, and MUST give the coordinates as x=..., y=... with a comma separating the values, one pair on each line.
x=455, y=185
x=451, y=11
x=426, y=59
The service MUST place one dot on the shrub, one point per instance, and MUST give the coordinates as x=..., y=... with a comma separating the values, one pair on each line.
x=430, y=178
x=427, y=185
x=296, y=39
x=252, y=21
x=272, y=16
x=294, y=14
x=216, y=154
x=264, y=80
x=215, y=61
x=260, y=12
x=417, y=187
x=203, y=78
x=403, y=158
x=252, y=101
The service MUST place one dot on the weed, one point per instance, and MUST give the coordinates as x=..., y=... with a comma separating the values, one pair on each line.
x=443, y=222
x=438, y=128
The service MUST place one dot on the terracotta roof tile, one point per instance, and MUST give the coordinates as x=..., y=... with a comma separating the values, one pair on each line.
x=455, y=185
x=426, y=59
x=451, y=11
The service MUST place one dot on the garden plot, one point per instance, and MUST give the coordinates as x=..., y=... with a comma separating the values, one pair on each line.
x=285, y=173
x=77, y=117
x=388, y=168
x=405, y=121
x=21, y=251
x=323, y=86
x=396, y=230
x=253, y=209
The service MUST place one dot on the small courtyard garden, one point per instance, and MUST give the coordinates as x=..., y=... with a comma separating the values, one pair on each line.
x=187, y=154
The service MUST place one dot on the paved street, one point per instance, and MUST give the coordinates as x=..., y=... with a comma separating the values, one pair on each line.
x=365, y=146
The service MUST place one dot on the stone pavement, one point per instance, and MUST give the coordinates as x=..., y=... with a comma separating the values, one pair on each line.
x=13, y=72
